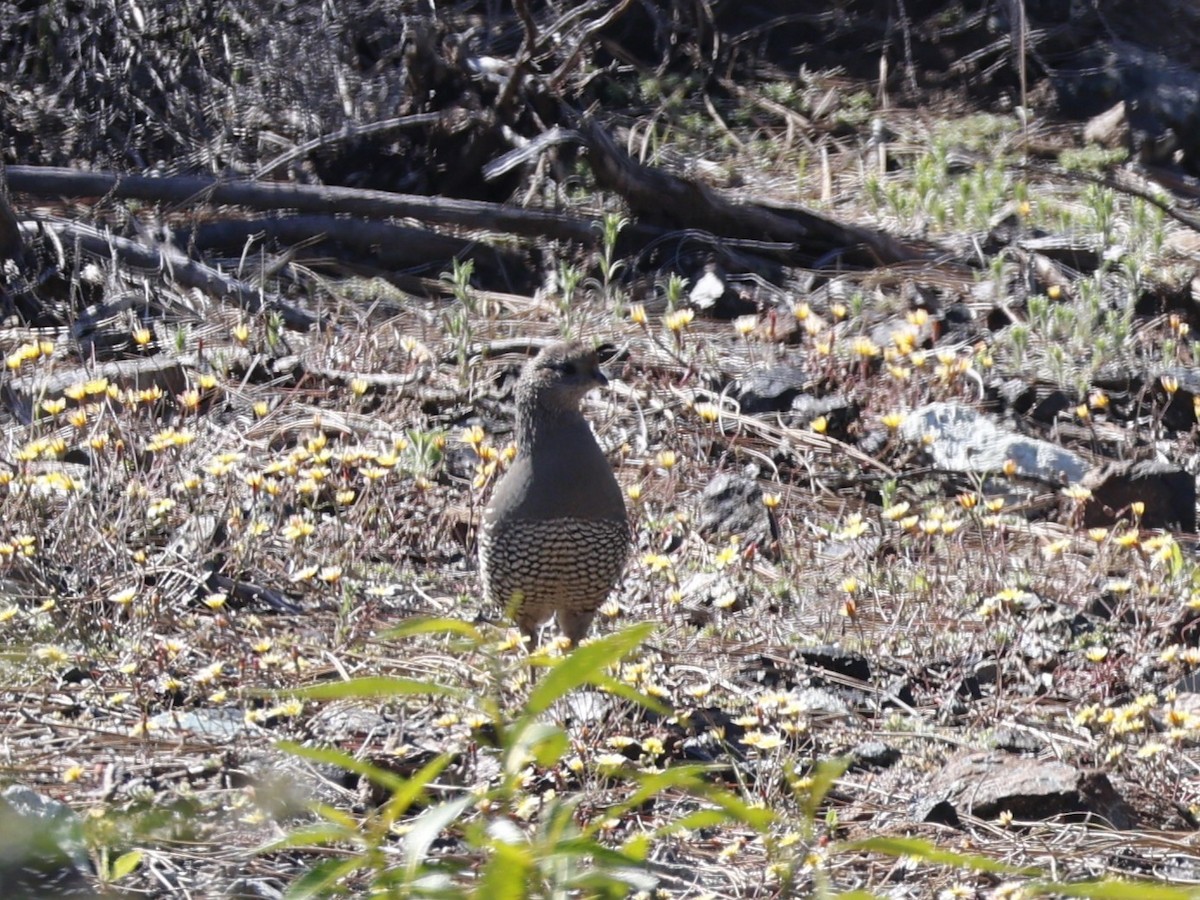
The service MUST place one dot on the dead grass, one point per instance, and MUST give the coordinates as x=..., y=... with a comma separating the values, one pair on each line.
x=337, y=471
x=358, y=505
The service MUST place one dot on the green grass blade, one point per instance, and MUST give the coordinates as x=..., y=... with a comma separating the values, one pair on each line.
x=418, y=626
x=372, y=688
x=389, y=781
x=318, y=880
x=1117, y=890
x=927, y=851
x=124, y=865
x=425, y=829
x=322, y=834
x=584, y=665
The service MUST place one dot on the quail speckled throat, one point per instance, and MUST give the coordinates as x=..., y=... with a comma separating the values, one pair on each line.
x=555, y=533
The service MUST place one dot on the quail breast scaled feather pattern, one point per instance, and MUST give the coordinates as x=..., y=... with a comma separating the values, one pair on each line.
x=555, y=533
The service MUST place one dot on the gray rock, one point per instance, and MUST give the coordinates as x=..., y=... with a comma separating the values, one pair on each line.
x=709, y=594
x=838, y=410
x=43, y=853
x=967, y=441
x=219, y=725
x=988, y=784
x=818, y=701
x=708, y=289
x=732, y=504
x=1014, y=740
x=1168, y=492
x=771, y=390
x=837, y=661
x=874, y=755
x=344, y=721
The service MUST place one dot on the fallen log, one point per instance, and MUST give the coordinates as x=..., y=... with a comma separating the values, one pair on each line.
x=184, y=189
x=669, y=200
x=178, y=267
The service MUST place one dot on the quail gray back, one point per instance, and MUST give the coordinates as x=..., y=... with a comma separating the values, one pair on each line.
x=555, y=534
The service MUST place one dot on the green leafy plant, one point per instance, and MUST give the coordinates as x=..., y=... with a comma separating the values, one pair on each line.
x=563, y=853
x=610, y=266
x=518, y=844
x=459, y=317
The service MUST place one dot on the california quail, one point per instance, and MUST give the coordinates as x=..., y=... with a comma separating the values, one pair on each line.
x=555, y=535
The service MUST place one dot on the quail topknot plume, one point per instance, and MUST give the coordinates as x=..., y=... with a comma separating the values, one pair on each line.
x=555, y=534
